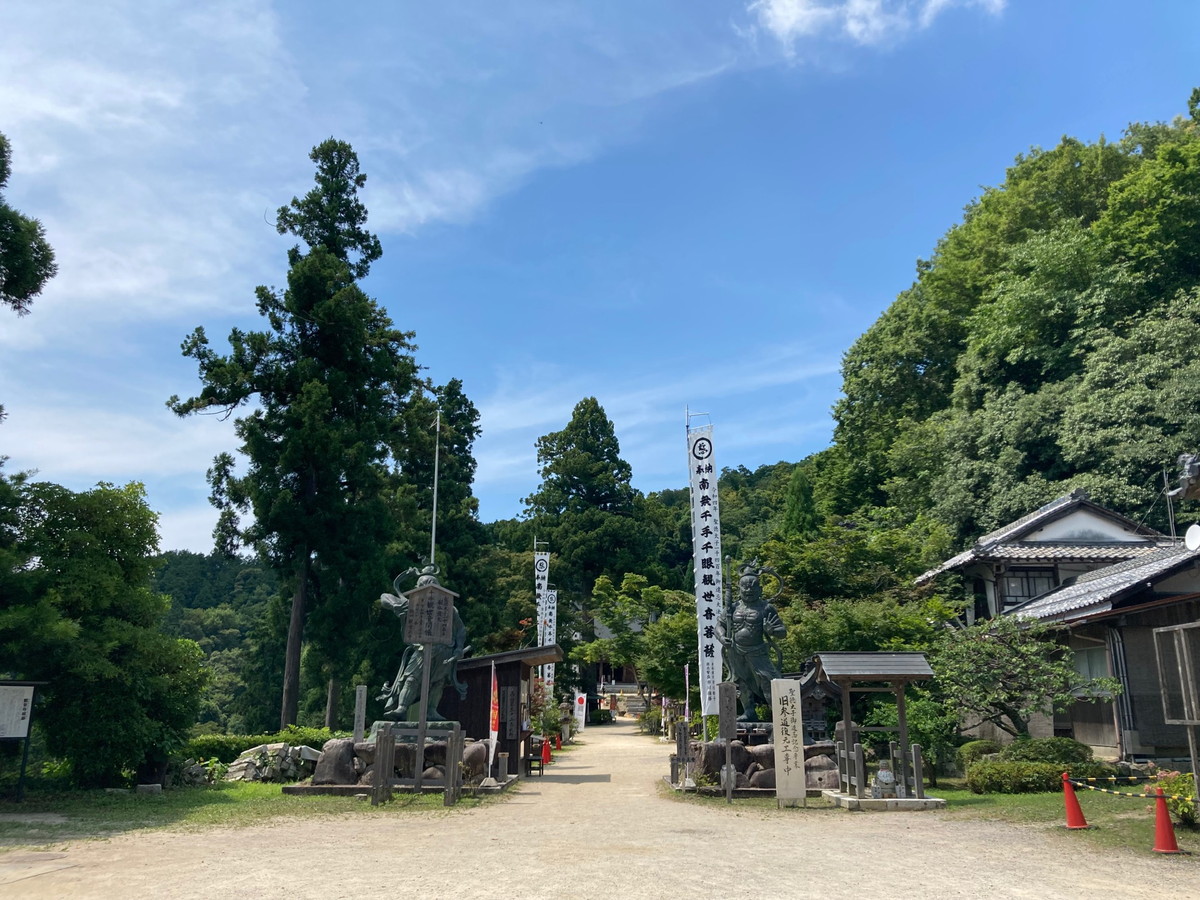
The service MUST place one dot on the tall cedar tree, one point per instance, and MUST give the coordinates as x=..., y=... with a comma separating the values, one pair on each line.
x=330, y=378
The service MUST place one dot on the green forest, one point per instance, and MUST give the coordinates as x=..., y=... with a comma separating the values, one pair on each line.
x=1050, y=341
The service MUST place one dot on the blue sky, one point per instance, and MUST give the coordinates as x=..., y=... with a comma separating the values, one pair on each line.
x=573, y=198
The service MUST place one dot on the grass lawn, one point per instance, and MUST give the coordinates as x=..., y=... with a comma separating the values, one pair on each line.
x=1117, y=822
x=45, y=818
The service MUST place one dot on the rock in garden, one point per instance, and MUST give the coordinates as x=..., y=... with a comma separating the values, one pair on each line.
x=475, y=759
x=763, y=754
x=763, y=778
x=821, y=772
x=336, y=764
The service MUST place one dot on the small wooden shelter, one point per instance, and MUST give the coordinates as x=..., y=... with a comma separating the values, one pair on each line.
x=514, y=670
x=858, y=673
x=874, y=672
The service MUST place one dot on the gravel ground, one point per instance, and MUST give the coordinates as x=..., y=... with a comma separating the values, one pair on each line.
x=597, y=825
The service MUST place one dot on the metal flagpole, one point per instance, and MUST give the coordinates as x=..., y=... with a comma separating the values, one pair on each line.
x=437, y=449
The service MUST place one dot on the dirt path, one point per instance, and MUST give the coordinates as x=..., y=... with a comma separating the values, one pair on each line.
x=596, y=826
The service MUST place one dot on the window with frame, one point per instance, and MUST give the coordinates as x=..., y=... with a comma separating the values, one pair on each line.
x=1090, y=663
x=1025, y=584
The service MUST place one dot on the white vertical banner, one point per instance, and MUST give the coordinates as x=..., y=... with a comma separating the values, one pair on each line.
x=580, y=710
x=790, y=780
x=550, y=637
x=706, y=550
x=541, y=578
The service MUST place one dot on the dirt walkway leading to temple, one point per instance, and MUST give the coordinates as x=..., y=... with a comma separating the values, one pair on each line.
x=597, y=826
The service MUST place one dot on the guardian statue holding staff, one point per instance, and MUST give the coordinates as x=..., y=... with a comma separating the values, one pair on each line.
x=402, y=695
x=747, y=631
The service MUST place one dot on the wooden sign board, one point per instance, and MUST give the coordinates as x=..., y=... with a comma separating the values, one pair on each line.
x=510, y=712
x=430, y=617
x=727, y=710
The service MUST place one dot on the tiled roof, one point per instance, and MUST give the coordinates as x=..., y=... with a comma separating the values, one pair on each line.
x=874, y=666
x=1096, y=591
x=1113, y=552
x=1013, y=529
x=1003, y=543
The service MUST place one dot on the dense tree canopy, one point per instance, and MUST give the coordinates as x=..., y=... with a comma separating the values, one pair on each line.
x=26, y=257
x=79, y=613
x=1044, y=345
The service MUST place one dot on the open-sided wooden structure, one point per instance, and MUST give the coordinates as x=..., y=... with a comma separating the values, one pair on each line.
x=875, y=672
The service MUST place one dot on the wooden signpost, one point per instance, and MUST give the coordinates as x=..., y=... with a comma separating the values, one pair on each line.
x=727, y=731
x=430, y=622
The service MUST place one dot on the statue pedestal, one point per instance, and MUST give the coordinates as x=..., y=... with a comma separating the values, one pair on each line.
x=437, y=731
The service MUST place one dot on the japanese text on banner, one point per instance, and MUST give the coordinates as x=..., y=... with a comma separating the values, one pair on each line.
x=541, y=580
x=706, y=549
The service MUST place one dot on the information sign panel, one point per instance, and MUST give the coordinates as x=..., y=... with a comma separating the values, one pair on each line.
x=16, y=706
x=430, y=617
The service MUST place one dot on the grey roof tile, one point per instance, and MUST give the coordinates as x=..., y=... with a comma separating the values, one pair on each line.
x=1003, y=544
x=1096, y=591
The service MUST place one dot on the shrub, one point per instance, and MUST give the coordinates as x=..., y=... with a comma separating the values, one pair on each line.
x=650, y=721
x=1057, y=750
x=1004, y=777
x=228, y=747
x=1180, y=788
x=971, y=752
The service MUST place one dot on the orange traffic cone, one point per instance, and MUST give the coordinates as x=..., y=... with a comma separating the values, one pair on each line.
x=545, y=750
x=1075, y=817
x=558, y=741
x=1164, y=830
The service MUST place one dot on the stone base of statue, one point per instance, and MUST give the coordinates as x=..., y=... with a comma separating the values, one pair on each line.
x=435, y=731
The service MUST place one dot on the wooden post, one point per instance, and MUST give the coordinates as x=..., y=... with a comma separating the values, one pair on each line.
x=843, y=767
x=860, y=771
x=918, y=773
x=360, y=712
x=727, y=729
x=902, y=720
x=847, y=722
x=423, y=721
x=385, y=764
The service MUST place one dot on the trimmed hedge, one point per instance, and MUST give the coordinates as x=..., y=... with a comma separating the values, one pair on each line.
x=1057, y=750
x=1000, y=777
x=228, y=747
x=971, y=752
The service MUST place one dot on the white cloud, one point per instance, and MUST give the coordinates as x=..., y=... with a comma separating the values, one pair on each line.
x=864, y=22
x=68, y=443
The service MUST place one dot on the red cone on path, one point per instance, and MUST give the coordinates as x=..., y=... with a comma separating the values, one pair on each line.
x=1164, y=830
x=1075, y=817
x=545, y=750
x=558, y=742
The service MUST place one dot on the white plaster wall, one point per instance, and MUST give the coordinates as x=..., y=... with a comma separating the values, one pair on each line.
x=1083, y=526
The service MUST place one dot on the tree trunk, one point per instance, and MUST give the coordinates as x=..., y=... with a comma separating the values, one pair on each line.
x=331, y=702
x=295, y=640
